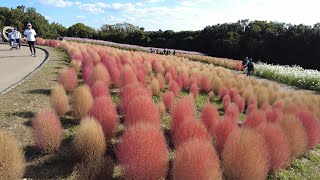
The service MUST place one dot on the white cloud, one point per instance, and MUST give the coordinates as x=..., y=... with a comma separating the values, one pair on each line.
x=153, y=1
x=81, y=17
x=96, y=8
x=47, y=17
x=56, y=3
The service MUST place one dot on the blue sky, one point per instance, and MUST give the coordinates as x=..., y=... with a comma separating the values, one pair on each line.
x=172, y=14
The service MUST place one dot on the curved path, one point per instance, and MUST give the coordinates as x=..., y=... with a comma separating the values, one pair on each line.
x=16, y=65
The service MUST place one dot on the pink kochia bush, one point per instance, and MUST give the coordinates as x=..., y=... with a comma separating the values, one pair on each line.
x=222, y=131
x=99, y=88
x=47, y=131
x=312, y=127
x=196, y=159
x=194, y=90
x=210, y=117
x=189, y=129
x=68, y=78
x=245, y=155
x=104, y=111
x=142, y=109
x=278, y=145
x=168, y=100
x=184, y=109
x=143, y=153
x=174, y=87
x=127, y=76
x=233, y=113
x=131, y=91
x=255, y=118
x=205, y=84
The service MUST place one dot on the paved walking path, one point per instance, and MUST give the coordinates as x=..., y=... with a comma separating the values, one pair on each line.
x=15, y=65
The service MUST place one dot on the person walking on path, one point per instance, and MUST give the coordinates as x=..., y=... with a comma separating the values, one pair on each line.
x=12, y=39
x=250, y=68
x=31, y=33
x=17, y=35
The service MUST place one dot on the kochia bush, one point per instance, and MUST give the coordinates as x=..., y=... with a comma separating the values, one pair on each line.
x=143, y=153
x=59, y=100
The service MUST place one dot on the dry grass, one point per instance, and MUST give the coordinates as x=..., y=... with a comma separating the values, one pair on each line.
x=12, y=162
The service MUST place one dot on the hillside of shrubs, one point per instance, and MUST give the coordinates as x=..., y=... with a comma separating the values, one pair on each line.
x=148, y=116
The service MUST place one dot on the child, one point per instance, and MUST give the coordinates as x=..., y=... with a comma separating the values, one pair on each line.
x=17, y=35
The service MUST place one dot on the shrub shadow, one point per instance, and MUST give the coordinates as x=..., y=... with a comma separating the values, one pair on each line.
x=23, y=114
x=52, y=166
x=39, y=91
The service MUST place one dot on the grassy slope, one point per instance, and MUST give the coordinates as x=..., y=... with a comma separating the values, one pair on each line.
x=19, y=106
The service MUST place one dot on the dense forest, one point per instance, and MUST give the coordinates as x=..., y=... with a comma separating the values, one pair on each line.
x=271, y=42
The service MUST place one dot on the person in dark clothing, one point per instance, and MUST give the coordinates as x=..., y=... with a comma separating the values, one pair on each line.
x=250, y=67
x=174, y=52
x=244, y=63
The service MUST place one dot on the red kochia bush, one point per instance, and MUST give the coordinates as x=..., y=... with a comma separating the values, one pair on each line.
x=143, y=153
x=232, y=112
x=273, y=115
x=223, y=91
x=312, y=127
x=99, y=88
x=278, y=145
x=162, y=81
x=233, y=94
x=168, y=100
x=184, y=109
x=222, y=131
x=104, y=111
x=189, y=129
x=205, y=84
x=241, y=103
x=142, y=109
x=255, y=118
x=194, y=90
x=196, y=159
x=245, y=155
x=68, y=78
x=130, y=93
x=47, y=131
x=210, y=117
x=226, y=101
x=87, y=70
x=174, y=87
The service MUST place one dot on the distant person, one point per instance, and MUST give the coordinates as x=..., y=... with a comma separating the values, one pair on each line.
x=12, y=39
x=157, y=52
x=17, y=35
x=244, y=63
x=31, y=37
x=250, y=68
x=174, y=52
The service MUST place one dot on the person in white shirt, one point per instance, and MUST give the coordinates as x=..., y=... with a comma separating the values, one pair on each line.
x=31, y=33
x=17, y=36
x=12, y=38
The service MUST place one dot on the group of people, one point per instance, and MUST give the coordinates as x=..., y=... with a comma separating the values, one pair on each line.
x=165, y=52
x=249, y=66
x=15, y=38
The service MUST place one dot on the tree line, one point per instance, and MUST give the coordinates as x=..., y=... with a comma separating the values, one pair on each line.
x=271, y=42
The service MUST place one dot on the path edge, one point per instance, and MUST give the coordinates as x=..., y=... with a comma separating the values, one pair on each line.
x=46, y=59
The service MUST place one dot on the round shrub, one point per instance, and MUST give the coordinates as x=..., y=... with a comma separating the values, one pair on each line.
x=155, y=86
x=210, y=117
x=12, y=162
x=194, y=90
x=174, y=87
x=196, y=159
x=184, y=109
x=81, y=101
x=255, y=118
x=233, y=113
x=168, y=100
x=99, y=88
x=211, y=96
x=59, y=100
x=245, y=155
x=312, y=127
x=222, y=131
x=127, y=76
x=296, y=134
x=278, y=145
x=190, y=129
x=47, y=131
x=143, y=153
x=76, y=65
x=100, y=73
x=67, y=77
x=89, y=141
x=205, y=84
x=142, y=109
x=104, y=111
